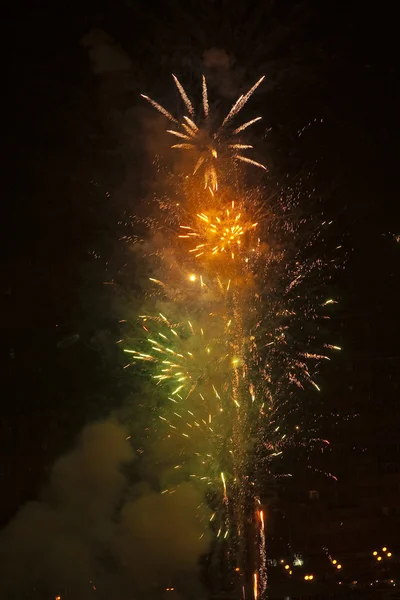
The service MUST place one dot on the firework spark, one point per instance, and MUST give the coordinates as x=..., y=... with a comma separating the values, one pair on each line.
x=205, y=142
x=185, y=356
x=220, y=232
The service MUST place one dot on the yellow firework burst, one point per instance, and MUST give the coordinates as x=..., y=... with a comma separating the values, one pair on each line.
x=220, y=232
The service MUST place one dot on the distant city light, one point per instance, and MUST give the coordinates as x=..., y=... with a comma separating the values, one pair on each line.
x=298, y=561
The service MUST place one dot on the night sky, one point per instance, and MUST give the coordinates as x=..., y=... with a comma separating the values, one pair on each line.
x=75, y=167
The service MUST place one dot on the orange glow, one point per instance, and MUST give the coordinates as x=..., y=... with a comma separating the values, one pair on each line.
x=262, y=519
x=389, y=554
x=255, y=586
x=218, y=232
x=379, y=558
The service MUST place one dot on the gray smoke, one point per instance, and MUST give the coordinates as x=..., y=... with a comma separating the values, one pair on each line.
x=93, y=531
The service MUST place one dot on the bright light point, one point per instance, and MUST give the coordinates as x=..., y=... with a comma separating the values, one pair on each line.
x=379, y=558
x=255, y=586
x=338, y=566
x=261, y=514
x=384, y=549
x=287, y=567
x=192, y=277
x=306, y=577
x=389, y=554
x=224, y=483
x=334, y=562
x=311, y=577
x=375, y=553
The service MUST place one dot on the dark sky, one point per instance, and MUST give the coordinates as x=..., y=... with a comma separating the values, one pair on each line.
x=73, y=167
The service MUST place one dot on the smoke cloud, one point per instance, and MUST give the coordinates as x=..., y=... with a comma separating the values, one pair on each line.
x=94, y=533
x=105, y=54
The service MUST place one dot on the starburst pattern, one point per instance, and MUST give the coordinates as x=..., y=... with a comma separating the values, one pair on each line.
x=197, y=135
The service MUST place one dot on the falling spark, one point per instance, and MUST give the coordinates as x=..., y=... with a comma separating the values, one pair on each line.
x=160, y=108
x=224, y=484
x=205, y=97
x=184, y=95
x=237, y=107
x=245, y=125
x=250, y=161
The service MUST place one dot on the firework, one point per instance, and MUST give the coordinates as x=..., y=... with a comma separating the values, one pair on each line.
x=207, y=144
x=236, y=341
x=185, y=356
x=222, y=230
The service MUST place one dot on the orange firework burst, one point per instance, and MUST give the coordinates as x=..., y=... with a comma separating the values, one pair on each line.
x=219, y=231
